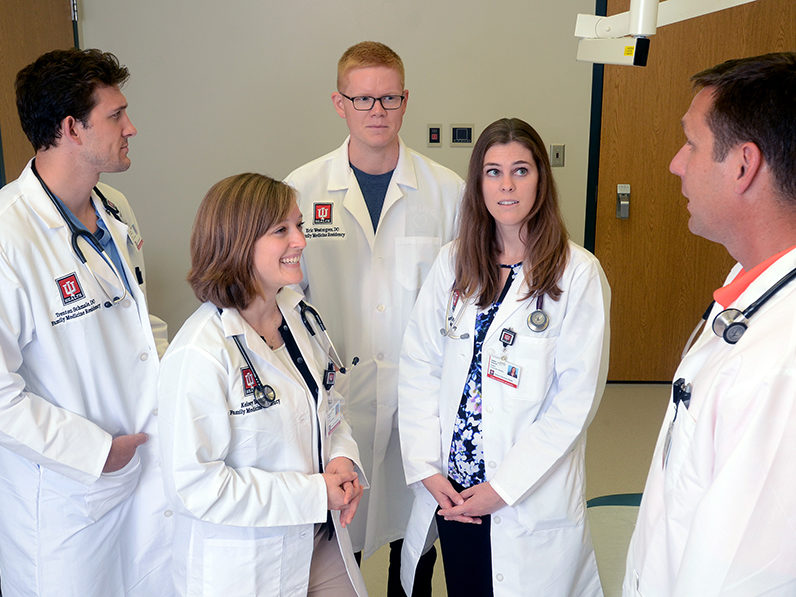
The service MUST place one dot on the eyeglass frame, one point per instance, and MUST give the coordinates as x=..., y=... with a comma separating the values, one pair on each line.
x=375, y=99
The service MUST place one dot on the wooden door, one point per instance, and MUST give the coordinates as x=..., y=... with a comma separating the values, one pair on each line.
x=28, y=29
x=662, y=276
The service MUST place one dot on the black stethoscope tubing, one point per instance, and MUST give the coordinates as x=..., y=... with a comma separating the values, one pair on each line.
x=730, y=324
x=75, y=231
x=752, y=309
x=265, y=392
x=263, y=395
x=323, y=338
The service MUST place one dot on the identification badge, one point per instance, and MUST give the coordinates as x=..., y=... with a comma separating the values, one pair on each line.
x=333, y=417
x=503, y=371
x=135, y=238
x=329, y=377
x=507, y=337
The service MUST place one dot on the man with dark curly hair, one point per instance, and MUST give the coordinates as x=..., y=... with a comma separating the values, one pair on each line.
x=82, y=508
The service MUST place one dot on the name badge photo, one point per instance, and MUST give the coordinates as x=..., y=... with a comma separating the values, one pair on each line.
x=503, y=371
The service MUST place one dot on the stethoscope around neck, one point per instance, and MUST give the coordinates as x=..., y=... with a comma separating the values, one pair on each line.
x=78, y=233
x=537, y=321
x=264, y=395
x=74, y=230
x=731, y=324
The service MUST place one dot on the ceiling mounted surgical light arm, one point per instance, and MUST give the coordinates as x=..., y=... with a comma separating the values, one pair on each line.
x=624, y=38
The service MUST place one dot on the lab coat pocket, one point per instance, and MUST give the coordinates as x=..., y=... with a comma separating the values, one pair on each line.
x=414, y=256
x=111, y=489
x=242, y=568
x=535, y=358
x=556, y=503
x=682, y=433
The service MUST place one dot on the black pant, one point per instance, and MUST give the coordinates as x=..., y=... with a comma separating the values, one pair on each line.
x=423, y=573
x=466, y=557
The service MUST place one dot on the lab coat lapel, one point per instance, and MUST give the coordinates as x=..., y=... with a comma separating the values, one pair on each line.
x=354, y=203
x=233, y=324
x=403, y=176
x=38, y=200
x=512, y=302
x=343, y=178
x=288, y=300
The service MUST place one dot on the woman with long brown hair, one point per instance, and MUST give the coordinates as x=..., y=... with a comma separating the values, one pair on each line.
x=517, y=316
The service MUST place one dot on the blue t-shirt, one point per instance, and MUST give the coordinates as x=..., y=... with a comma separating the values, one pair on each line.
x=103, y=235
x=374, y=189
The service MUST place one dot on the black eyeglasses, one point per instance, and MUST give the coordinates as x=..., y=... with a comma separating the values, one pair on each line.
x=363, y=103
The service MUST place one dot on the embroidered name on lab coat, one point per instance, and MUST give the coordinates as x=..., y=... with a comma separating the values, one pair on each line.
x=76, y=311
x=246, y=407
x=323, y=223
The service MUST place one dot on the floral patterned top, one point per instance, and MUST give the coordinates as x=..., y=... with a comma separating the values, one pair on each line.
x=466, y=458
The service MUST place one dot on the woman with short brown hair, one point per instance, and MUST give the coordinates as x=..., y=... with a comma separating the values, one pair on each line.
x=258, y=461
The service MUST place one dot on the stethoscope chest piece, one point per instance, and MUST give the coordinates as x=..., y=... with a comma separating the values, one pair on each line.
x=538, y=320
x=730, y=324
x=265, y=396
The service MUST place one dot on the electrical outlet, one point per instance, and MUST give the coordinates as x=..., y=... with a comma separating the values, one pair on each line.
x=557, y=156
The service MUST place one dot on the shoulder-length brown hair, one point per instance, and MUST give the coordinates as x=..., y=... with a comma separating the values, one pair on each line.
x=544, y=233
x=235, y=212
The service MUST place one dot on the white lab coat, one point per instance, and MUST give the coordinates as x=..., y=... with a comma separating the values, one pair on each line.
x=720, y=518
x=244, y=481
x=367, y=283
x=534, y=436
x=73, y=374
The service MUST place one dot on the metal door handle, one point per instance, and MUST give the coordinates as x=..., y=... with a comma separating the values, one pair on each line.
x=622, y=201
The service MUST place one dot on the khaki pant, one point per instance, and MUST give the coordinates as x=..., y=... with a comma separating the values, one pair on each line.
x=328, y=574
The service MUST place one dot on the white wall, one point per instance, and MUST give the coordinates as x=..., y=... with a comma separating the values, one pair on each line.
x=219, y=88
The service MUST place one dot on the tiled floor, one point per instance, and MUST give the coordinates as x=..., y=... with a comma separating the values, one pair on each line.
x=619, y=447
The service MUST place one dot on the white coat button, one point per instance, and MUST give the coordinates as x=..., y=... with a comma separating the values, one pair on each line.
x=143, y=356
x=489, y=409
x=155, y=412
x=492, y=464
x=380, y=356
x=497, y=519
x=126, y=303
x=499, y=577
x=380, y=308
x=168, y=513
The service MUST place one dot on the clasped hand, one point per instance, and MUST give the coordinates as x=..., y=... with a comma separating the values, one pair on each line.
x=343, y=490
x=467, y=506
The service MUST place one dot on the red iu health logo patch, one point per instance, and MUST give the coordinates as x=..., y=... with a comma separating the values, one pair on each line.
x=323, y=213
x=248, y=381
x=70, y=289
